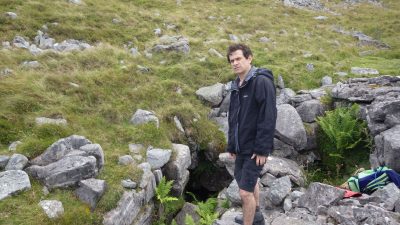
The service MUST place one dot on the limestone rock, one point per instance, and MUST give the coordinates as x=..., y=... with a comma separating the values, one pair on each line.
x=65, y=172
x=52, y=208
x=13, y=181
x=90, y=191
x=188, y=209
x=320, y=194
x=17, y=162
x=212, y=94
x=142, y=116
x=157, y=158
x=290, y=128
x=59, y=149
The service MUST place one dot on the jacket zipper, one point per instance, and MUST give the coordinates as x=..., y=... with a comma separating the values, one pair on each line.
x=237, y=149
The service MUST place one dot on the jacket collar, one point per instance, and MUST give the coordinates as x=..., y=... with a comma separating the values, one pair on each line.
x=252, y=73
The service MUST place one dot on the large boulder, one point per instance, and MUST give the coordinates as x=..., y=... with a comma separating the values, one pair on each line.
x=284, y=96
x=290, y=128
x=227, y=160
x=127, y=209
x=387, y=150
x=59, y=149
x=389, y=194
x=279, y=189
x=157, y=157
x=280, y=167
x=283, y=150
x=232, y=193
x=13, y=181
x=320, y=194
x=17, y=162
x=65, y=172
x=176, y=169
x=90, y=191
x=212, y=94
x=135, y=207
x=310, y=110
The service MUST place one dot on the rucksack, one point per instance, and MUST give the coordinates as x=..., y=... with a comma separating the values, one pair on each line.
x=370, y=180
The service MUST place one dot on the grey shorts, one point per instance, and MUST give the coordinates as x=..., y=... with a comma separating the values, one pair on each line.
x=246, y=172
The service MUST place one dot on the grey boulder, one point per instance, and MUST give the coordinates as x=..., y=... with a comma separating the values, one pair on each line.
x=320, y=194
x=13, y=181
x=17, y=162
x=290, y=128
x=143, y=116
x=90, y=191
x=212, y=94
x=66, y=172
x=52, y=208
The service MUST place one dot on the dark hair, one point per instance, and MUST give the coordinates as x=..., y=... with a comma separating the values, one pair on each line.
x=233, y=48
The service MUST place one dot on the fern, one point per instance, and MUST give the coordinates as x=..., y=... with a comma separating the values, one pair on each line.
x=206, y=211
x=162, y=191
x=342, y=132
x=189, y=220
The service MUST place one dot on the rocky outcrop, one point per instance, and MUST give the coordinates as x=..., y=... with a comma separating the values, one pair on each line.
x=380, y=108
x=65, y=172
x=172, y=43
x=321, y=204
x=43, y=43
x=177, y=169
x=308, y=4
x=135, y=207
x=67, y=161
x=387, y=151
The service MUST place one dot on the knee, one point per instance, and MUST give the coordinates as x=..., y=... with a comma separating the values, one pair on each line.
x=244, y=195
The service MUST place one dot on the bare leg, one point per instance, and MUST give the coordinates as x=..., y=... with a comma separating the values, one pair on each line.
x=257, y=194
x=248, y=205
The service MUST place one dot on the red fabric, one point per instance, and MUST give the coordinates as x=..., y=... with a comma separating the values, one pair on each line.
x=349, y=194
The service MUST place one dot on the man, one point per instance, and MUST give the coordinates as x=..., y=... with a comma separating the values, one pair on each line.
x=252, y=119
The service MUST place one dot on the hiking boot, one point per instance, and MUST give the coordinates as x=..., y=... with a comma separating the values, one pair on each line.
x=258, y=219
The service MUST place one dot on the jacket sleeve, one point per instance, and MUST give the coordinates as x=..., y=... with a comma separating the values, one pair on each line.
x=231, y=139
x=266, y=120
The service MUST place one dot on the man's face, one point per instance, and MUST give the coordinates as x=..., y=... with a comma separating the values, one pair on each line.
x=239, y=63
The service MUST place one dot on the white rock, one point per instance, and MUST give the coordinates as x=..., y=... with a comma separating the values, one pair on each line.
x=52, y=208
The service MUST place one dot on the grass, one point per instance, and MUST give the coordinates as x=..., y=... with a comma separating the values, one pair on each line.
x=98, y=90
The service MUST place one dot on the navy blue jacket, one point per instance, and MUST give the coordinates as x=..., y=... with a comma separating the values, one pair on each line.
x=252, y=114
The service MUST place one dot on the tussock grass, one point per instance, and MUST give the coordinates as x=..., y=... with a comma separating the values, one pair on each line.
x=98, y=90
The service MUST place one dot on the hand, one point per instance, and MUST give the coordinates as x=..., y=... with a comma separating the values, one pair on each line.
x=233, y=155
x=260, y=159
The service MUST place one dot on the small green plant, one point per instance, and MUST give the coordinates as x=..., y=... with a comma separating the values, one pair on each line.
x=342, y=135
x=206, y=211
x=189, y=220
x=163, y=197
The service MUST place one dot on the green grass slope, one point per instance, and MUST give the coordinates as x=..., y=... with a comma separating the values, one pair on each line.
x=110, y=87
